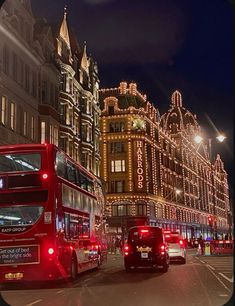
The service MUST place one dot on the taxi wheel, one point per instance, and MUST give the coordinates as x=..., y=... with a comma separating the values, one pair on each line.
x=128, y=268
x=165, y=267
x=183, y=260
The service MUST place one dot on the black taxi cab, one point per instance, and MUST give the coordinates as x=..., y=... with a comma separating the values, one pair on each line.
x=146, y=247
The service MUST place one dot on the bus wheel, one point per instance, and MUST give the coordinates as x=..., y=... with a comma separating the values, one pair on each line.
x=74, y=270
x=99, y=260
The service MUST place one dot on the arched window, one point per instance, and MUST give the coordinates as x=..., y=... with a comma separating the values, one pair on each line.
x=141, y=208
x=121, y=209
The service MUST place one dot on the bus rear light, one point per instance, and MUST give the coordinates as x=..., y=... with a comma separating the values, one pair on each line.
x=44, y=176
x=50, y=251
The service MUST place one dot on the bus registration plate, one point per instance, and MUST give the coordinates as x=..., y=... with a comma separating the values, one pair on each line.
x=11, y=276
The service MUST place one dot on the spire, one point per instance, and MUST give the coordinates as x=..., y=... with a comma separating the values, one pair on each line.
x=85, y=61
x=64, y=33
x=176, y=99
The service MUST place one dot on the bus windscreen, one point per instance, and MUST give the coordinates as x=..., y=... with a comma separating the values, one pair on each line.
x=20, y=162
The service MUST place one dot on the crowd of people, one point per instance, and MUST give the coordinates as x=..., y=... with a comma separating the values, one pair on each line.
x=115, y=245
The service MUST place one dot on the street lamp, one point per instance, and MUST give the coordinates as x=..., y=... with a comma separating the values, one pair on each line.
x=220, y=138
x=198, y=139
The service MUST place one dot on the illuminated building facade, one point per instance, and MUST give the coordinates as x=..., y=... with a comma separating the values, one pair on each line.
x=21, y=61
x=48, y=86
x=154, y=171
x=79, y=104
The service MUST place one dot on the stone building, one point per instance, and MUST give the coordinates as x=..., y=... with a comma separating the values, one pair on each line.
x=48, y=86
x=19, y=74
x=79, y=105
x=155, y=172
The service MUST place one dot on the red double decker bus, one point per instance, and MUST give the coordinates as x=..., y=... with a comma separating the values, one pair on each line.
x=50, y=215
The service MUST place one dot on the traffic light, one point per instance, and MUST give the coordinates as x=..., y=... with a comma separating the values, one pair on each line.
x=210, y=221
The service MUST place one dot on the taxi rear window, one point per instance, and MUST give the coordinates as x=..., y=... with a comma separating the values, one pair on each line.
x=145, y=234
x=172, y=239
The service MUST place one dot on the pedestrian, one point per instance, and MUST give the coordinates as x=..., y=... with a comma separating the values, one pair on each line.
x=117, y=245
x=201, y=243
x=113, y=246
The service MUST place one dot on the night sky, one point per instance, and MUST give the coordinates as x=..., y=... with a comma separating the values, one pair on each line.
x=162, y=45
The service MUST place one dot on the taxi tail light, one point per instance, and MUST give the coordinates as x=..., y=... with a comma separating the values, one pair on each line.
x=144, y=231
x=126, y=249
x=162, y=249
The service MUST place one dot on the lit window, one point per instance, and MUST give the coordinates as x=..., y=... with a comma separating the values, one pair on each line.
x=43, y=131
x=118, y=166
x=25, y=124
x=56, y=135
x=32, y=127
x=13, y=116
x=51, y=134
x=3, y=110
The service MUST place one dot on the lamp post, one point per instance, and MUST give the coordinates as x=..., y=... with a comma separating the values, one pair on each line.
x=198, y=139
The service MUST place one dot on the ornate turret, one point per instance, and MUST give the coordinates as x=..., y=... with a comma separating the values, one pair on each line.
x=179, y=119
x=63, y=40
x=64, y=32
x=85, y=61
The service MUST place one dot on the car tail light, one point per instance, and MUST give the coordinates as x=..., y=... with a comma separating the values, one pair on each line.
x=162, y=249
x=84, y=236
x=51, y=251
x=126, y=249
x=181, y=243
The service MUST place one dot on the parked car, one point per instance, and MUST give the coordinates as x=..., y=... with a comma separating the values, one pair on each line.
x=146, y=247
x=177, y=247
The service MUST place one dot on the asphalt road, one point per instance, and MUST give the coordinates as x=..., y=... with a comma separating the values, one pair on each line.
x=202, y=281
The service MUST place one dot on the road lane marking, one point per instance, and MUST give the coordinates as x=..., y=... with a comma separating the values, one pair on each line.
x=228, y=279
x=60, y=291
x=219, y=280
x=210, y=267
x=35, y=302
x=202, y=261
x=223, y=294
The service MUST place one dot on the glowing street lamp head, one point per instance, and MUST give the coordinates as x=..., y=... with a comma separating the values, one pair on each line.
x=198, y=139
x=177, y=191
x=221, y=138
